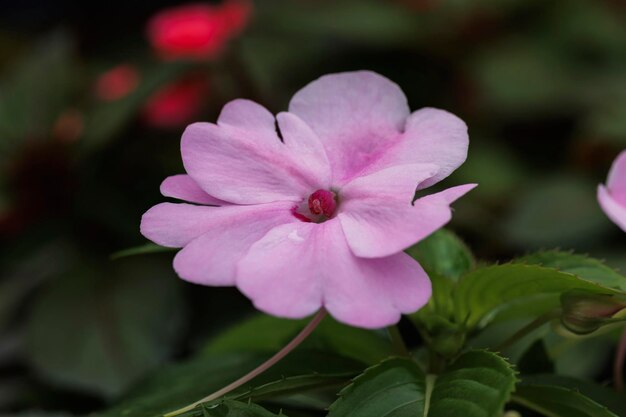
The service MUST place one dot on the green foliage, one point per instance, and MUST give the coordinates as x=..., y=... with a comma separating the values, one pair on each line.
x=395, y=387
x=262, y=333
x=104, y=329
x=178, y=385
x=580, y=265
x=601, y=394
x=443, y=253
x=531, y=289
x=554, y=401
x=478, y=383
x=229, y=408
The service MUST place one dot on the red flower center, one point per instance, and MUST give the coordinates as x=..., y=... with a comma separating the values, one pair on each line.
x=322, y=202
x=320, y=206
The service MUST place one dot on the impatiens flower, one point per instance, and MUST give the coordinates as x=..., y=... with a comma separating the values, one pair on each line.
x=612, y=198
x=197, y=30
x=176, y=104
x=313, y=208
x=117, y=82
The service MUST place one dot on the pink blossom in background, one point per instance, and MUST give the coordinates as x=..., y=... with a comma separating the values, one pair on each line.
x=176, y=104
x=197, y=30
x=313, y=207
x=612, y=197
x=117, y=82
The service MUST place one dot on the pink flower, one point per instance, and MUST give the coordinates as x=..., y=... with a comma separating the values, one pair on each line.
x=117, y=82
x=197, y=30
x=176, y=104
x=314, y=206
x=612, y=198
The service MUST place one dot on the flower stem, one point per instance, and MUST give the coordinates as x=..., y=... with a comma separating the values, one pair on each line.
x=529, y=328
x=618, y=365
x=300, y=337
x=397, y=341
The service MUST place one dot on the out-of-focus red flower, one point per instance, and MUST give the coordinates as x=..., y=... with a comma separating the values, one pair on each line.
x=197, y=30
x=176, y=104
x=117, y=82
x=69, y=126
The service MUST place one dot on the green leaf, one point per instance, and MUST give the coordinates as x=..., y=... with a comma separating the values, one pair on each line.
x=553, y=401
x=395, y=387
x=531, y=289
x=140, y=250
x=100, y=330
x=443, y=253
x=601, y=394
x=583, y=266
x=259, y=333
x=262, y=333
x=478, y=383
x=235, y=409
x=178, y=385
x=294, y=384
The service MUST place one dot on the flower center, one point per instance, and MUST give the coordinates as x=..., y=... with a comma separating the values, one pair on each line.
x=320, y=206
x=322, y=202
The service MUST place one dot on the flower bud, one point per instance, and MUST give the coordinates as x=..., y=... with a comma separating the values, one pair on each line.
x=585, y=312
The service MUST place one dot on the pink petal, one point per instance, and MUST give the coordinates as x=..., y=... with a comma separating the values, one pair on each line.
x=615, y=210
x=183, y=187
x=377, y=227
x=616, y=182
x=248, y=115
x=356, y=115
x=240, y=160
x=397, y=183
x=297, y=268
x=430, y=136
x=175, y=225
x=211, y=258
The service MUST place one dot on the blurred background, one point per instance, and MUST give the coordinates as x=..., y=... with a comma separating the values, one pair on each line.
x=94, y=97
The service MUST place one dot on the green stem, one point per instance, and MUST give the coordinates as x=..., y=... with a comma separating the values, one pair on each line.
x=300, y=337
x=529, y=328
x=397, y=341
x=430, y=386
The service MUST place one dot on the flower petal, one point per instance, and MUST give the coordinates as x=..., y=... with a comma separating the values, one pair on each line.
x=378, y=227
x=430, y=136
x=396, y=183
x=175, y=225
x=183, y=187
x=616, y=211
x=297, y=268
x=248, y=115
x=616, y=182
x=211, y=258
x=356, y=115
x=242, y=161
